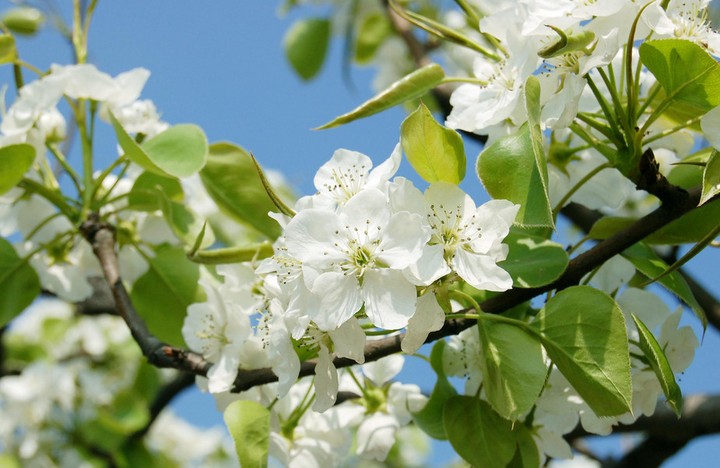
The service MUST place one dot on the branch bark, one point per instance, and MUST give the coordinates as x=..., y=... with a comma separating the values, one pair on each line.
x=666, y=434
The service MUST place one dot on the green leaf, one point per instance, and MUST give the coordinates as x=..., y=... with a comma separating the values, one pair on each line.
x=15, y=160
x=412, y=86
x=583, y=332
x=660, y=365
x=686, y=71
x=436, y=153
x=533, y=261
x=8, y=51
x=115, y=421
x=373, y=31
x=711, y=178
x=306, y=44
x=23, y=20
x=184, y=224
x=507, y=353
x=430, y=418
x=163, y=294
x=509, y=170
x=180, y=151
x=249, y=426
x=232, y=180
x=144, y=193
x=651, y=265
x=477, y=433
x=526, y=454
x=19, y=284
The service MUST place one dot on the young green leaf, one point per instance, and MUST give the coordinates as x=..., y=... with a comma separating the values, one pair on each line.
x=430, y=418
x=144, y=193
x=249, y=426
x=306, y=44
x=231, y=179
x=687, y=72
x=184, y=224
x=15, y=160
x=509, y=352
x=660, y=365
x=533, y=261
x=711, y=178
x=651, y=265
x=373, y=31
x=412, y=86
x=162, y=295
x=19, y=284
x=583, y=332
x=477, y=433
x=509, y=170
x=180, y=151
x=435, y=152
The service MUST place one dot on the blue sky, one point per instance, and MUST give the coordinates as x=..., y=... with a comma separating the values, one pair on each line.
x=220, y=65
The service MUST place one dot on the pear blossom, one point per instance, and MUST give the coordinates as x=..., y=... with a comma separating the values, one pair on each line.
x=355, y=256
x=465, y=238
x=217, y=329
x=348, y=172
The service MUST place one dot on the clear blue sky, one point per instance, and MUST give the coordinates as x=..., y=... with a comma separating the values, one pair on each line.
x=219, y=64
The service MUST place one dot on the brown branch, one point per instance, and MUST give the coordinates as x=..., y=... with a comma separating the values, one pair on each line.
x=666, y=434
x=102, y=239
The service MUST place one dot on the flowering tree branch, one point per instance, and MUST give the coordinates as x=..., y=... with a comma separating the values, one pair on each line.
x=102, y=239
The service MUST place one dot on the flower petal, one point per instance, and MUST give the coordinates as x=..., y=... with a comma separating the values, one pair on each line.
x=389, y=298
x=428, y=317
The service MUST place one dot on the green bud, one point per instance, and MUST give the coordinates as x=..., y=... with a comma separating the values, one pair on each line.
x=23, y=20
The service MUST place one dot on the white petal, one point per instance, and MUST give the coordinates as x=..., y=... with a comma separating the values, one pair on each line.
x=369, y=206
x=349, y=341
x=428, y=317
x=387, y=169
x=382, y=370
x=481, y=271
x=222, y=375
x=376, y=436
x=326, y=381
x=344, y=175
x=311, y=237
x=430, y=267
x=403, y=240
x=389, y=298
x=339, y=299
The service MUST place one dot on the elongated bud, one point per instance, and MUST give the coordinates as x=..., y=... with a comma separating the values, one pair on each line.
x=23, y=20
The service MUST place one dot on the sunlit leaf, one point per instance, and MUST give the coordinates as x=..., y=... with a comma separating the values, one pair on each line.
x=533, y=261
x=15, y=160
x=249, y=426
x=306, y=44
x=477, y=433
x=660, y=365
x=435, y=152
x=19, y=284
x=430, y=418
x=583, y=332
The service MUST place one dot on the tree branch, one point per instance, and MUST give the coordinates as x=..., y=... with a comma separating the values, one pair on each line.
x=666, y=434
x=163, y=398
x=102, y=239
